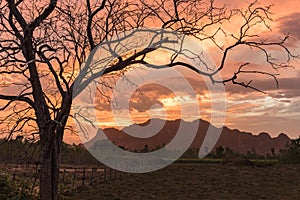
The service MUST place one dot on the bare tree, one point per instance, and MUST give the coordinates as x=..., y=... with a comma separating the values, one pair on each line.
x=43, y=46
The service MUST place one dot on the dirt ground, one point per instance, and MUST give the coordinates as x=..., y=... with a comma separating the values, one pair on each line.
x=201, y=181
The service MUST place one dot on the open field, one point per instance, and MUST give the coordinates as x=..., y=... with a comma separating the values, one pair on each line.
x=202, y=181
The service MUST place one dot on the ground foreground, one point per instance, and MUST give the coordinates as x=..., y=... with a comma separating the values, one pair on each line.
x=202, y=181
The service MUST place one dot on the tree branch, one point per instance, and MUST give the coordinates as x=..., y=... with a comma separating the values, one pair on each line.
x=12, y=98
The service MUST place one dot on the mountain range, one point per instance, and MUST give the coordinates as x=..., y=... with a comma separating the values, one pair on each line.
x=234, y=139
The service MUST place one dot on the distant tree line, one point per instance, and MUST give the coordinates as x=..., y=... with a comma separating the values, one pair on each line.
x=289, y=154
x=25, y=152
x=22, y=151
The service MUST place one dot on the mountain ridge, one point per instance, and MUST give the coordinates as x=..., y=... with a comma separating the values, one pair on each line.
x=234, y=139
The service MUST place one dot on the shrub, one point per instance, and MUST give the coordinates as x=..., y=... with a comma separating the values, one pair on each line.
x=13, y=191
x=291, y=153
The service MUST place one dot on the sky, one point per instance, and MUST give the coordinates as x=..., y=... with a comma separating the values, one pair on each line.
x=173, y=94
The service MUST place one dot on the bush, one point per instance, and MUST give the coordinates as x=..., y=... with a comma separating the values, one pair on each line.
x=291, y=154
x=13, y=191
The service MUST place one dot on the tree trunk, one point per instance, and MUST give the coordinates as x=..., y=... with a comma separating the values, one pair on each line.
x=50, y=169
x=51, y=140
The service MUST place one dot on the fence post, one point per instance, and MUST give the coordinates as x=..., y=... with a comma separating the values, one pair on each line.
x=100, y=176
x=83, y=176
x=110, y=174
x=120, y=172
x=63, y=177
x=92, y=176
x=104, y=175
x=74, y=178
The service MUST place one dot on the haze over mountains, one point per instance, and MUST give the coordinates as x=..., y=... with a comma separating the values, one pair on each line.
x=234, y=139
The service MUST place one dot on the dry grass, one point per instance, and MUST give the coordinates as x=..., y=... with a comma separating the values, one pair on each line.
x=202, y=181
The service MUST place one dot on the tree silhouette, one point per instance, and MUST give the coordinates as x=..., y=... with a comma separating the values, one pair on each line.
x=291, y=153
x=220, y=152
x=43, y=45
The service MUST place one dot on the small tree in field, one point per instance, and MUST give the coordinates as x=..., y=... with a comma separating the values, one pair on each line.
x=43, y=45
x=220, y=152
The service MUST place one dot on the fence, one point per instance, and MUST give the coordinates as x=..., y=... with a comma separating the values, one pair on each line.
x=80, y=177
x=70, y=178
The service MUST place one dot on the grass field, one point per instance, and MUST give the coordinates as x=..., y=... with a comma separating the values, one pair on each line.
x=202, y=181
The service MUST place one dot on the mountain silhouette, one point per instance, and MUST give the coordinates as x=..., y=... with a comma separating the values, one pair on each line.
x=236, y=140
